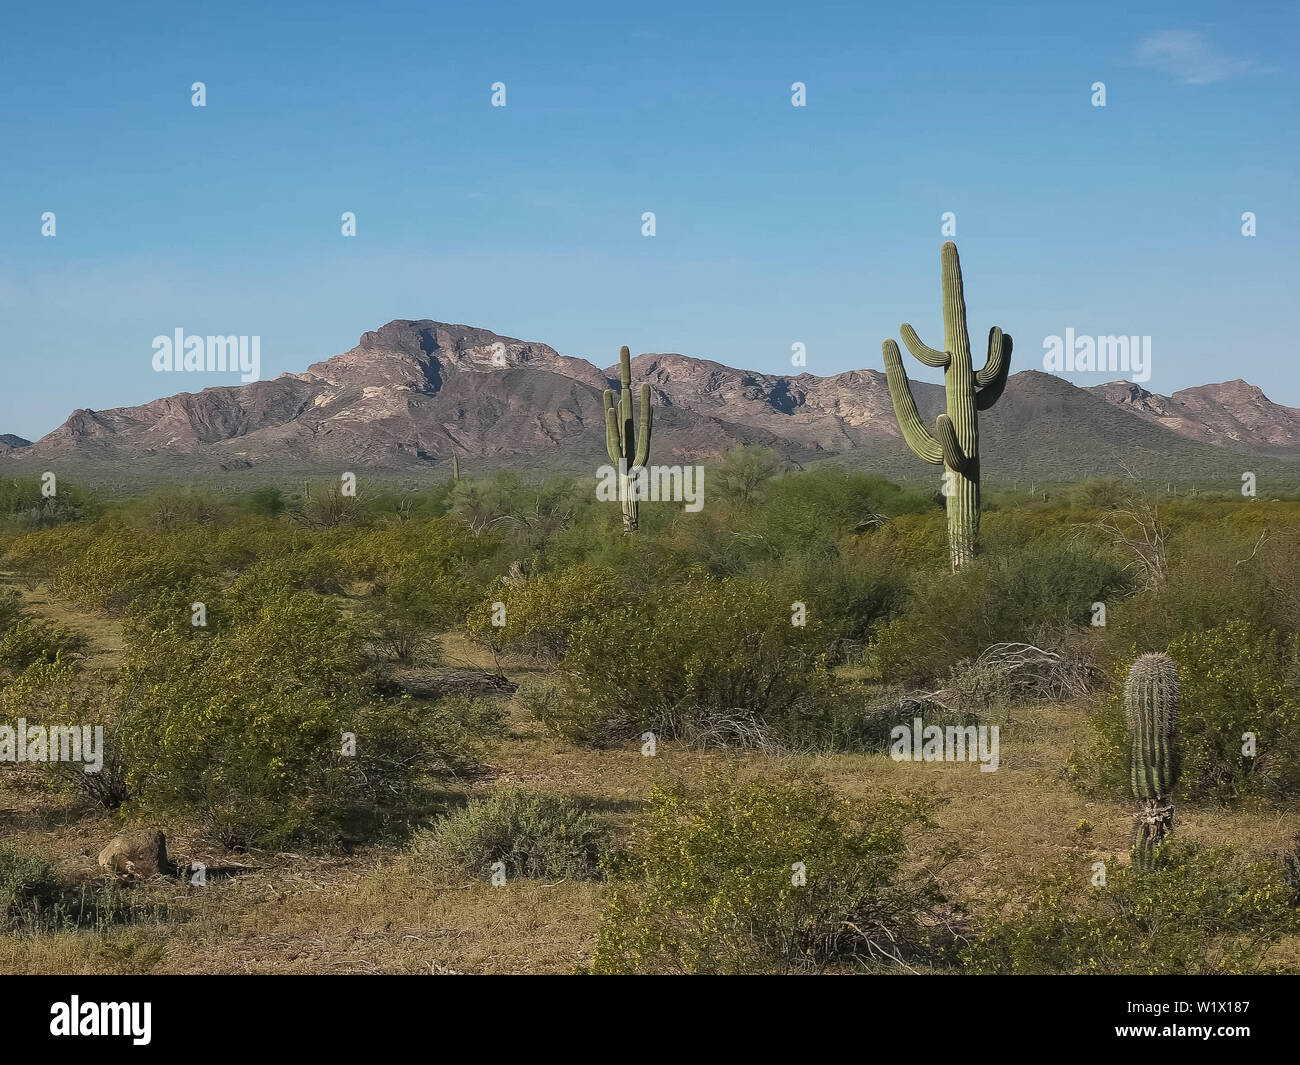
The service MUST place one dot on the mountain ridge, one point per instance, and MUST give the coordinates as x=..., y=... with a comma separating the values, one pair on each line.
x=413, y=393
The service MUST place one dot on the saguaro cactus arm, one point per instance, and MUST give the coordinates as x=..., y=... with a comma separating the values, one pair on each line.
x=923, y=445
x=613, y=442
x=999, y=360
x=953, y=456
x=643, y=435
x=993, y=377
x=924, y=353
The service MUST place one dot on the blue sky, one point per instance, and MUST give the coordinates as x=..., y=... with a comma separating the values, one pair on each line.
x=775, y=224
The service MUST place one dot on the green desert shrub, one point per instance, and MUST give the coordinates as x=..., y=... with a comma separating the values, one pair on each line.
x=459, y=731
x=435, y=598
x=11, y=608
x=57, y=693
x=29, y=891
x=769, y=874
x=1204, y=587
x=269, y=502
x=948, y=618
x=742, y=474
x=30, y=640
x=115, y=564
x=706, y=661
x=245, y=724
x=1097, y=493
x=1198, y=911
x=853, y=597
x=24, y=504
x=810, y=513
x=531, y=834
x=542, y=612
x=952, y=617
x=1240, y=693
x=173, y=609
x=41, y=553
x=1238, y=679
x=314, y=569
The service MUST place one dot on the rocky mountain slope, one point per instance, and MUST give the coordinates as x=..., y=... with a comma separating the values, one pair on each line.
x=412, y=394
x=1234, y=414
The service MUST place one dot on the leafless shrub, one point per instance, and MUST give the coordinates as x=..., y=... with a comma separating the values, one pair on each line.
x=1134, y=527
x=328, y=507
x=1006, y=672
x=737, y=728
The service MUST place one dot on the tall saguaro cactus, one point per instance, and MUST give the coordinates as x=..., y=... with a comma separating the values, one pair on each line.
x=1155, y=754
x=627, y=451
x=956, y=439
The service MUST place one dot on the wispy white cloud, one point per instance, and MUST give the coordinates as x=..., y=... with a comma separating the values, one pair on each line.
x=1189, y=57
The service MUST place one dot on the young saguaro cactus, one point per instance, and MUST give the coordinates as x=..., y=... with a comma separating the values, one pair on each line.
x=627, y=451
x=1155, y=754
x=956, y=439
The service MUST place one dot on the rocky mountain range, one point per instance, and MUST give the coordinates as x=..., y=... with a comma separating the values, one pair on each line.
x=1234, y=414
x=412, y=394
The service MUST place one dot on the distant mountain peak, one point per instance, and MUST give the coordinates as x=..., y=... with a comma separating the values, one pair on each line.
x=414, y=392
x=1232, y=413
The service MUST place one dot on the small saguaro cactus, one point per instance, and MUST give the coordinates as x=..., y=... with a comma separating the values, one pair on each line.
x=956, y=441
x=1155, y=754
x=627, y=451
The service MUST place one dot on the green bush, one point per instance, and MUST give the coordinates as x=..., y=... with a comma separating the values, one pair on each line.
x=113, y=564
x=1204, y=587
x=11, y=608
x=460, y=731
x=30, y=640
x=1008, y=598
x=810, y=514
x=268, y=502
x=24, y=504
x=743, y=472
x=1199, y=911
x=245, y=722
x=708, y=660
x=542, y=612
x=852, y=597
x=533, y=835
x=711, y=884
x=30, y=893
x=1236, y=679
x=57, y=692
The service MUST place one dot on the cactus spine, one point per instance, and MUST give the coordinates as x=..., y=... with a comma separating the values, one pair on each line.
x=1155, y=757
x=455, y=468
x=955, y=442
x=627, y=451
